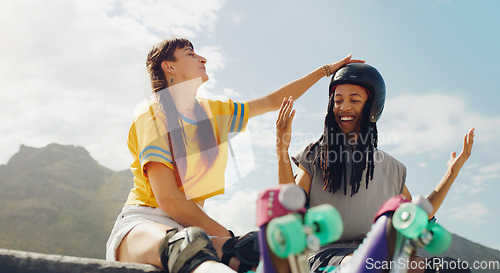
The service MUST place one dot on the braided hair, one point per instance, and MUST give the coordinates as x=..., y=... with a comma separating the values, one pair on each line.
x=331, y=144
x=164, y=51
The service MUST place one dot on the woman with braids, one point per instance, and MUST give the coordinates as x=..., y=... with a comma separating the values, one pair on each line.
x=344, y=168
x=179, y=146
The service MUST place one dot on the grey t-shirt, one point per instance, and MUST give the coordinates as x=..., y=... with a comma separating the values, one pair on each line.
x=357, y=211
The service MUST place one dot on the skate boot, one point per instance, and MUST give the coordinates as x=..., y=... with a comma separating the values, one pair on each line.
x=400, y=228
x=288, y=233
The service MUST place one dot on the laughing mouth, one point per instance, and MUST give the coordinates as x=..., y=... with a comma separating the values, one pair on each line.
x=345, y=119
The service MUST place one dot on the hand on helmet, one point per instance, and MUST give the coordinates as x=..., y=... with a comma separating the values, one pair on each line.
x=347, y=60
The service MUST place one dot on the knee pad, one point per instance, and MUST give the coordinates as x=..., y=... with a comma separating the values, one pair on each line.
x=182, y=251
x=447, y=265
x=245, y=248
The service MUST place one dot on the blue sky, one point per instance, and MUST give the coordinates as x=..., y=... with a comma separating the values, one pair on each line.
x=72, y=72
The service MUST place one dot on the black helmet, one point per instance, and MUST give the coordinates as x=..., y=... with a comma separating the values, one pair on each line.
x=365, y=76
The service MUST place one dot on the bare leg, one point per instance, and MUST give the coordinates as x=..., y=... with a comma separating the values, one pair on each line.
x=142, y=243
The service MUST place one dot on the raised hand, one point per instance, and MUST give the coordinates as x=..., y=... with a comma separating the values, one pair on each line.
x=284, y=124
x=455, y=163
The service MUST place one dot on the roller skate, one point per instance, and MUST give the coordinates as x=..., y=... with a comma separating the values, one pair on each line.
x=412, y=223
x=288, y=232
x=400, y=228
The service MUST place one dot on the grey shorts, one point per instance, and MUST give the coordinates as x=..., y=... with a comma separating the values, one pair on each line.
x=130, y=217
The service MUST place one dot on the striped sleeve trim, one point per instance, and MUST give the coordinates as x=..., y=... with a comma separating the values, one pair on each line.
x=155, y=151
x=238, y=117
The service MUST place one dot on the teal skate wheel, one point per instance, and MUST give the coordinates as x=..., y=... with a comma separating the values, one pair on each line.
x=410, y=220
x=441, y=239
x=326, y=223
x=285, y=235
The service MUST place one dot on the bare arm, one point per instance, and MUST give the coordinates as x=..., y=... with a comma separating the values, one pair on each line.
x=283, y=138
x=174, y=202
x=303, y=179
x=406, y=193
x=454, y=165
x=272, y=101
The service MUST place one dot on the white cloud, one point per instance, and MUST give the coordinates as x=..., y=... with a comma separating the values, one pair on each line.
x=192, y=16
x=263, y=130
x=429, y=123
x=471, y=213
x=237, y=213
x=472, y=186
x=470, y=189
x=493, y=168
x=241, y=160
x=478, y=179
x=481, y=182
x=231, y=93
x=215, y=58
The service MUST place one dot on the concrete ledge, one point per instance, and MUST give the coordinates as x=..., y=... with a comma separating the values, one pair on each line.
x=14, y=261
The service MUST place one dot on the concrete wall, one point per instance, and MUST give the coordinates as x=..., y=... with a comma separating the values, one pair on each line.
x=13, y=261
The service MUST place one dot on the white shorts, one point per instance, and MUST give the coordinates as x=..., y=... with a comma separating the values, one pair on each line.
x=130, y=217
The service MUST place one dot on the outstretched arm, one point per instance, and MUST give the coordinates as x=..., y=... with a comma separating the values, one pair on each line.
x=272, y=101
x=454, y=165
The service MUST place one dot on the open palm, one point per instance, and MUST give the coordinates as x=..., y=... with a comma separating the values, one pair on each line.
x=457, y=162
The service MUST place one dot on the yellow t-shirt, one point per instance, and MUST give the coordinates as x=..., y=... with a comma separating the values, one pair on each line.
x=148, y=142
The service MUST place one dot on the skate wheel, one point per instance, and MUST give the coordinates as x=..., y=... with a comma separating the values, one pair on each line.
x=422, y=202
x=410, y=220
x=326, y=223
x=292, y=197
x=441, y=239
x=285, y=235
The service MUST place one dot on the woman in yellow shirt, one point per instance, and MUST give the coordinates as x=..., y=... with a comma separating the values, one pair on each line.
x=179, y=146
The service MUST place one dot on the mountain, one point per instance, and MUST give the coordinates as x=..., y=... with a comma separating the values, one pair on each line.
x=473, y=254
x=59, y=200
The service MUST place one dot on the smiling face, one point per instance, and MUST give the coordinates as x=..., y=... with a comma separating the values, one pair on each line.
x=349, y=101
x=187, y=65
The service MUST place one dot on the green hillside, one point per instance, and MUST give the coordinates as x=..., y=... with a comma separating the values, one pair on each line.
x=58, y=200
x=472, y=253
